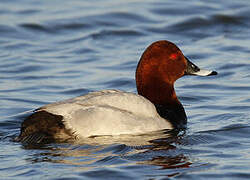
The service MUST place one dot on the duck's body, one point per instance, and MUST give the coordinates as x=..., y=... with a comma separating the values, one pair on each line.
x=112, y=112
x=108, y=112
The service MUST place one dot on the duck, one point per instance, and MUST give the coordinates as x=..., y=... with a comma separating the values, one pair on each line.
x=115, y=112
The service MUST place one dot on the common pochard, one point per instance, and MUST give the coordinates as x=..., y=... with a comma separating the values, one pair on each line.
x=114, y=112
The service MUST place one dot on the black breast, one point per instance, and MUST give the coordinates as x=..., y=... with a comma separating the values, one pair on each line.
x=176, y=116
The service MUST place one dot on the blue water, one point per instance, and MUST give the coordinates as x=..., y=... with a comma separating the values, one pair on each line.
x=54, y=50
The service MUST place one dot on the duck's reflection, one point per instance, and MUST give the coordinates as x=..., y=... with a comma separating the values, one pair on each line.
x=158, y=149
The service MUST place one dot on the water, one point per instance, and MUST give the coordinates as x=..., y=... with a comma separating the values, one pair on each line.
x=54, y=50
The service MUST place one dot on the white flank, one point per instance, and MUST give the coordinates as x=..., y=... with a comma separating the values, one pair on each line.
x=108, y=112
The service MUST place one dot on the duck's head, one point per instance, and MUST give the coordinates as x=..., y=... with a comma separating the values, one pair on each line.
x=161, y=64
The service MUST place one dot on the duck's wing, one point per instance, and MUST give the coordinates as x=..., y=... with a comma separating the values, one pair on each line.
x=109, y=112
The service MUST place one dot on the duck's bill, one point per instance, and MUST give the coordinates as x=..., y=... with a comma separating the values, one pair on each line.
x=192, y=69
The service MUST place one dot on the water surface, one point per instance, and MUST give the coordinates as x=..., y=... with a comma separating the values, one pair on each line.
x=54, y=50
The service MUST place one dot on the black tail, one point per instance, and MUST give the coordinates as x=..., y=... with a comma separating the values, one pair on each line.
x=42, y=127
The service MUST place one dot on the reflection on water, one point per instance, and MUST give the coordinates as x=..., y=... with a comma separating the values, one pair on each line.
x=108, y=152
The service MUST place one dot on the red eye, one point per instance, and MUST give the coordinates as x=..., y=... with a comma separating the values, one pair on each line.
x=173, y=56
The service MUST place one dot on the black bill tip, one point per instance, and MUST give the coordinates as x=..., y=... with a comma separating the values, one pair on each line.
x=213, y=73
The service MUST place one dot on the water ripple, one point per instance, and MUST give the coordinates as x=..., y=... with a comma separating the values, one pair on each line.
x=116, y=33
x=36, y=27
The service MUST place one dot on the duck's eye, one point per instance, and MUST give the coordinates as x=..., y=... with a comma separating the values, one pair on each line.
x=173, y=56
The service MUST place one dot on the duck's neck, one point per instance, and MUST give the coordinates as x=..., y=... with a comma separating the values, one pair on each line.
x=163, y=96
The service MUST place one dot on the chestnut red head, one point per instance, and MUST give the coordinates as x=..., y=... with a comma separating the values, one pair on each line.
x=161, y=64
